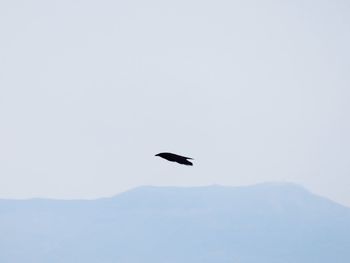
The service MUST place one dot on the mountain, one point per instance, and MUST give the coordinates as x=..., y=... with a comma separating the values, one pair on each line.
x=269, y=222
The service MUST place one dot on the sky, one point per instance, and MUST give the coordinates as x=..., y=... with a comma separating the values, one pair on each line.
x=254, y=91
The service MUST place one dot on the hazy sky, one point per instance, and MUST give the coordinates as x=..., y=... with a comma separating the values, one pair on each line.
x=254, y=91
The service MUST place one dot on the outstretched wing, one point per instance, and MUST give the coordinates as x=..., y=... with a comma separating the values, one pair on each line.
x=180, y=156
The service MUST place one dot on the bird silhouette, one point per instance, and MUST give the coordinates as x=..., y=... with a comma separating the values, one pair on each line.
x=172, y=157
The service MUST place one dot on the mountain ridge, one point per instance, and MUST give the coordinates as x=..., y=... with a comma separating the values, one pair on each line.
x=255, y=224
x=261, y=186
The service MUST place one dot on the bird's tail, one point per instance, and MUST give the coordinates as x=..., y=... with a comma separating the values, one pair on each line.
x=187, y=162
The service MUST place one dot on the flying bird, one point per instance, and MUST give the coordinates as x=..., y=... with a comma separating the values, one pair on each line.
x=172, y=157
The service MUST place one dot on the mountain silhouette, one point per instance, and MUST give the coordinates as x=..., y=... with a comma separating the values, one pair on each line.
x=255, y=224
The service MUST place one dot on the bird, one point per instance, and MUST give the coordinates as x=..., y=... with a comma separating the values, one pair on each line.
x=172, y=157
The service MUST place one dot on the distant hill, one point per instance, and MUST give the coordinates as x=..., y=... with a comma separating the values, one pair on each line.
x=265, y=223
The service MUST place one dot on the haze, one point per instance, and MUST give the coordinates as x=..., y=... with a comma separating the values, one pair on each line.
x=253, y=91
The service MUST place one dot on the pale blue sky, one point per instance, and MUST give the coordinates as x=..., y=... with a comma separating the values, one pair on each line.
x=253, y=90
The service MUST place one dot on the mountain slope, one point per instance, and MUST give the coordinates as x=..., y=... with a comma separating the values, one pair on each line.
x=260, y=223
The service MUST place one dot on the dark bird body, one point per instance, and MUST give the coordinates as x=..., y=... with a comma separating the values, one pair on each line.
x=175, y=158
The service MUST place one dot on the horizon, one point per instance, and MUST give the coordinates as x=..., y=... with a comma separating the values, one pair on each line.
x=163, y=187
